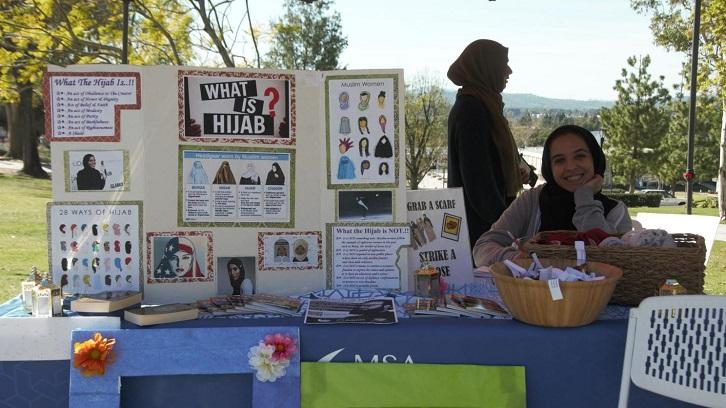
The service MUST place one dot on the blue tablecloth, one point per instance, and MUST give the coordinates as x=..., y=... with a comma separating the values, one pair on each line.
x=564, y=367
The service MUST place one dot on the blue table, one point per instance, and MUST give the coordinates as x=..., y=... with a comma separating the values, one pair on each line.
x=564, y=367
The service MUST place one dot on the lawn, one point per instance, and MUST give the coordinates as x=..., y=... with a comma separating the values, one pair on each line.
x=23, y=235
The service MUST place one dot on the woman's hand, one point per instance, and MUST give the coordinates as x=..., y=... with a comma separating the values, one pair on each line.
x=524, y=174
x=595, y=183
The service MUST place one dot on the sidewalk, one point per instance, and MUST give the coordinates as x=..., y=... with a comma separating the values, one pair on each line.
x=11, y=166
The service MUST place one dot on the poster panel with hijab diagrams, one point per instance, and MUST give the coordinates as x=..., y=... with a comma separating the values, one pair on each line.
x=229, y=164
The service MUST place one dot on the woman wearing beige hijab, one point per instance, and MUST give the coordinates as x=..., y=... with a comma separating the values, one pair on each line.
x=483, y=157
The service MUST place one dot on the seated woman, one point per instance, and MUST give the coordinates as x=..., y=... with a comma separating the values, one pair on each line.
x=572, y=164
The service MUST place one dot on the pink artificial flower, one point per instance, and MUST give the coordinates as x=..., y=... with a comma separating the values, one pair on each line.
x=284, y=346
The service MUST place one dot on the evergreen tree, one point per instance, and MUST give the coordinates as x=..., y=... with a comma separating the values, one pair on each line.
x=308, y=36
x=637, y=122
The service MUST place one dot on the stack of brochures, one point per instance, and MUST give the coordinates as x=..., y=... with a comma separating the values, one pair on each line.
x=457, y=305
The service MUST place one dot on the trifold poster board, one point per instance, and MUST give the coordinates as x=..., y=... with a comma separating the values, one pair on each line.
x=178, y=180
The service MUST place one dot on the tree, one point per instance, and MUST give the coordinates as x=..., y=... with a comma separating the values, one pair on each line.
x=637, y=122
x=426, y=115
x=34, y=34
x=671, y=160
x=672, y=24
x=308, y=36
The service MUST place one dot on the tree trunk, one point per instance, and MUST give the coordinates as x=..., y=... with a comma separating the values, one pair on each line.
x=23, y=131
x=721, y=183
x=15, y=151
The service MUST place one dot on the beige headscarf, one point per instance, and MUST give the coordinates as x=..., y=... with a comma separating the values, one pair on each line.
x=479, y=71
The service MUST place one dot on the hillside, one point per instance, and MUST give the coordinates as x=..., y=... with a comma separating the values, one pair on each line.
x=534, y=102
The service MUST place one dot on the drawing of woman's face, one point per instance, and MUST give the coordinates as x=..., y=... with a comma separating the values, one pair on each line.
x=181, y=263
x=281, y=251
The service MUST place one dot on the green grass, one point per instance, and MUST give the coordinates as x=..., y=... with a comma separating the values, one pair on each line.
x=23, y=236
x=680, y=209
x=716, y=270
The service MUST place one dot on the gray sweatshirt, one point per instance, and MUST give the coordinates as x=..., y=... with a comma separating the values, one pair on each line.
x=521, y=222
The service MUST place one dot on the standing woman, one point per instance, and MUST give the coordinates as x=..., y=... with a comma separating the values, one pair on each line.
x=89, y=178
x=483, y=157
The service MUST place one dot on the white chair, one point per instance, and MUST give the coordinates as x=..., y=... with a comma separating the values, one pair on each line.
x=676, y=346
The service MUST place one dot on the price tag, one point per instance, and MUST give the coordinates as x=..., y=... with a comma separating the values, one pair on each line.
x=580, y=250
x=555, y=291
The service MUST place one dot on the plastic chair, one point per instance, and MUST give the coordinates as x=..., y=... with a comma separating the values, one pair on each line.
x=676, y=346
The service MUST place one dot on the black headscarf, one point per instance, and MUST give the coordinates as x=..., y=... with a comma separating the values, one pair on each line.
x=556, y=204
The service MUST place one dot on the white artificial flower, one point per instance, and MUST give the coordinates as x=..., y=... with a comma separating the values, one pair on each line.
x=260, y=358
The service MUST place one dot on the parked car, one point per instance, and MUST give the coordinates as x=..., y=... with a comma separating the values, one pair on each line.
x=666, y=198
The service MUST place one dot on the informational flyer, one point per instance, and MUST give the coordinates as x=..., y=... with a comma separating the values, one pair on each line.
x=96, y=170
x=290, y=250
x=223, y=106
x=87, y=106
x=229, y=186
x=439, y=235
x=365, y=256
x=362, y=130
x=370, y=311
x=95, y=246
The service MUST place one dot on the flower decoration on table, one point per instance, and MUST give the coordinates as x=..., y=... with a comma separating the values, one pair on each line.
x=271, y=356
x=93, y=355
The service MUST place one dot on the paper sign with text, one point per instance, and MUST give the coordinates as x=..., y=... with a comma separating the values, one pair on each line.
x=439, y=234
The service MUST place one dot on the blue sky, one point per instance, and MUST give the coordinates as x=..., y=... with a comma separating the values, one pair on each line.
x=557, y=48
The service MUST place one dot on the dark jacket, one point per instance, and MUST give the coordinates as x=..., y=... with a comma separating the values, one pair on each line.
x=474, y=165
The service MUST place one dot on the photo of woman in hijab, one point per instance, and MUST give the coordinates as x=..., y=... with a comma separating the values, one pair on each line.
x=224, y=174
x=179, y=260
x=300, y=250
x=282, y=251
x=250, y=176
x=240, y=284
x=197, y=175
x=383, y=148
x=89, y=178
x=275, y=176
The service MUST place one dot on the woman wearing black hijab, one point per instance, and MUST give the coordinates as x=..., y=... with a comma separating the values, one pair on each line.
x=275, y=177
x=573, y=165
x=89, y=178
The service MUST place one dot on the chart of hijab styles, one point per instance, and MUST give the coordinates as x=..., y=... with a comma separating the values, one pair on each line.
x=362, y=130
x=95, y=246
x=230, y=185
x=224, y=106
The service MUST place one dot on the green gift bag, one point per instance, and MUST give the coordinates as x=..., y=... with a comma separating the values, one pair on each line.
x=362, y=385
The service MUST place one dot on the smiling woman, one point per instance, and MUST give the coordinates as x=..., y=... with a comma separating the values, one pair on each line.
x=572, y=164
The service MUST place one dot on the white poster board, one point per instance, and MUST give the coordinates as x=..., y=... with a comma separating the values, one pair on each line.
x=439, y=234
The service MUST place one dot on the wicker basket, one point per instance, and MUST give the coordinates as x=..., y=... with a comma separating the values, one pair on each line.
x=530, y=300
x=644, y=268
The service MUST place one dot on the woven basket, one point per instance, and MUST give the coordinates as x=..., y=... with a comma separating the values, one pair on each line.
x=644, y=268
x=530, y=300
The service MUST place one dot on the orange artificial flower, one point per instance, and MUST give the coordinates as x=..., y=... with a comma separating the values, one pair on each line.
x=92, y=355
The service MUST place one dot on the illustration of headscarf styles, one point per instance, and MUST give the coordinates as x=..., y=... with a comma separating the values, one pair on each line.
x=343, y=100
x=250, y=176
x=365, y=99
x=344, y=125
x=346, y=169
x=382, y=121
x=365, y=165
x=197, y=175
x=382, y=99
x=363, y=147
x=224, y=174
x=383, y=148
x=363, y=124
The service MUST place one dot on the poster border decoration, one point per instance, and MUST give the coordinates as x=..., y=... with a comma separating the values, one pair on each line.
x=150, y=259
x=139, y=204
x=290, y=141
x=215, y=224
x=337, y=205
x=67, y=171
x=48, y=121
x=261, y=250
x=396, y=124
x=329, y=247
x=140, y=353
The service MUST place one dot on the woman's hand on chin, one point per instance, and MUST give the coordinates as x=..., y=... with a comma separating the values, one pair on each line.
x=596, y=183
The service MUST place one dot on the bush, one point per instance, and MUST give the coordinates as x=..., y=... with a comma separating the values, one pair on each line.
x=637, y=200
x=708, y=202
